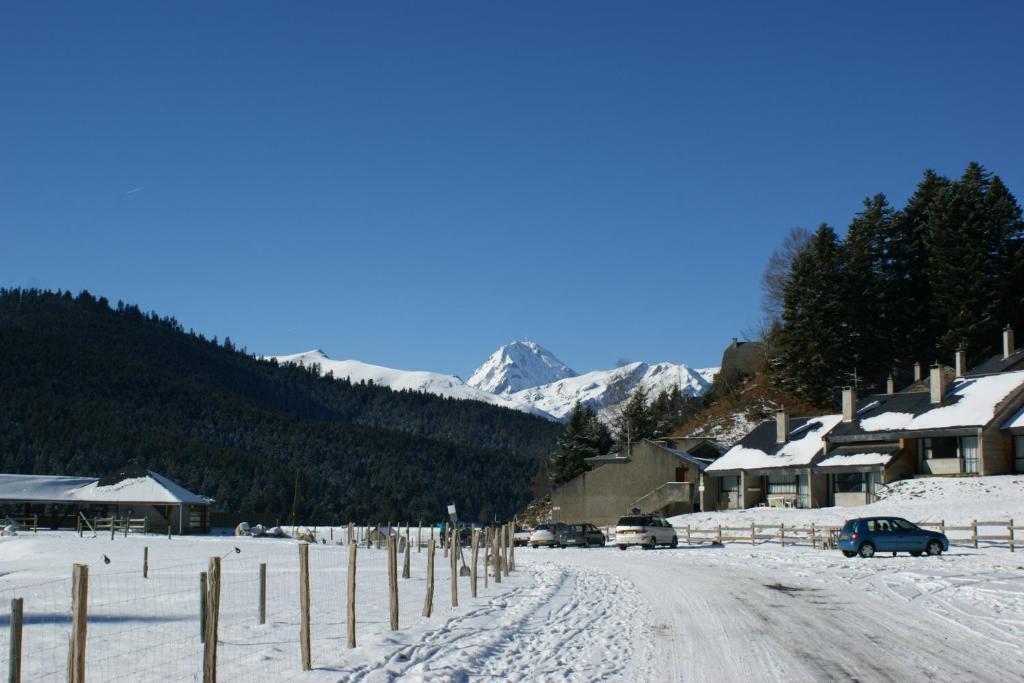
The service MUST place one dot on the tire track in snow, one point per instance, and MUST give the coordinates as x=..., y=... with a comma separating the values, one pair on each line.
x=565, y=626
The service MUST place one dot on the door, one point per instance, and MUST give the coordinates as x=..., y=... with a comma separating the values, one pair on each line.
x=881, y=534
x=969, y=452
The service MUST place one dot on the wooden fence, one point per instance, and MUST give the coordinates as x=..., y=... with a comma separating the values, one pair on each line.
x=990, y=533
x=227, y=583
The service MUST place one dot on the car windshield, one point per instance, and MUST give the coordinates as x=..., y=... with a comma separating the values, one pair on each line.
x=850, y=525
x=545, y=527
x=634, y=521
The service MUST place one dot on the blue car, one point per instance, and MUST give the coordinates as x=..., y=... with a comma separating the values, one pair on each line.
x=869, y=535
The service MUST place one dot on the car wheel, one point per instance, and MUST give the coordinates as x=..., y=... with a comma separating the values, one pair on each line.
x=674, y=543
x=849, y=553
x=652, y=545
x=867, y=550
x=622, y=547
x=934, y=548
x=534, y=546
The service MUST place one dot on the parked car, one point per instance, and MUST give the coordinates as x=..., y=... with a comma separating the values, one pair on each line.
x=869, y=535
x=648, y=531
x=546, y=534
x=521, y=536
x=579, y=535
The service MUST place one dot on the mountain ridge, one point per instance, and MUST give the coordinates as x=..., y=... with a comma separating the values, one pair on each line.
x=523, y=364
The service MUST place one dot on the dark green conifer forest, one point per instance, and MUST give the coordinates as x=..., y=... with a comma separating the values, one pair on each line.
x=86, y=388
x=906, y=285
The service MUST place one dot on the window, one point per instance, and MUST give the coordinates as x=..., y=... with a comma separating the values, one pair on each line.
x=730, y=484
x=940, y=447
x=782, y=485
x=682, y=474
x=901, y=525
x=969, y=452
x=853, y=482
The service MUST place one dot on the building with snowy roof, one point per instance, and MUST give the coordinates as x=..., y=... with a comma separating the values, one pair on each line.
x=774, y=464
x=134, y=493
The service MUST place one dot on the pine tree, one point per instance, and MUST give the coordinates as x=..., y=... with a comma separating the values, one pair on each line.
x=584, y=437
x=635, y=421
x=867, y=315
x=812, y=349
x=974, y=243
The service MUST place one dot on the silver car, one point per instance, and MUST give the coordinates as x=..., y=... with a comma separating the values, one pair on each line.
x=647, y=531
x=546, y=534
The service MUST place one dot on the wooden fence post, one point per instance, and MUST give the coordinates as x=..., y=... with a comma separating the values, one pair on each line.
x=1011, y=535
x=974, y=533
x=307, y=655
x=454, y=563
x=496, y=556
x=353, y=548
x=419, y=538
x=428, y=601
x=473, y=551
x=212, y=615
x=942, y=526
x=487, y=553
x=814, y=540
x=112, y=527
x=145, y=562
x=688, y=540
x=408, y=554
x=14, y=658
x=718, y=536
x=79, y=622
x=263, y=593
x=753, y=534
x=782, y=534
x=511, y=546
x=202, y=607
x=393, y=580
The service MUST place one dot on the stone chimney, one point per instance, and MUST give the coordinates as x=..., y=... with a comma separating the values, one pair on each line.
x=937, y=384
x=960, y=361
x=890, y=385
x=781, y=426
x=917, y=372
x=1008, y=347
x=849, y=404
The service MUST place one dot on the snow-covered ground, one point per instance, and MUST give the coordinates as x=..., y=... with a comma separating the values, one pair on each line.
x=722, y=613
x=954, y=500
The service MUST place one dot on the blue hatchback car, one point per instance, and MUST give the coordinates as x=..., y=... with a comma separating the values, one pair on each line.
x=869, y=535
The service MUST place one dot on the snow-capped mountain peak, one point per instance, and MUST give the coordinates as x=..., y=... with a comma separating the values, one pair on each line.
x=517, y=366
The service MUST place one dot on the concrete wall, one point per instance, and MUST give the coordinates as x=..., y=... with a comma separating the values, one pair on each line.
x=995, y=451
x=851, y=499
x=608, y=492
x=904, y=463
x=942, y=466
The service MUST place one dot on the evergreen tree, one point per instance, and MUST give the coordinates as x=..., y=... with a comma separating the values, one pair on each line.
x=912, y=326
x=635, y=421
x=866, y=314
x=584, y=437
x=812, y=351
x=974, y=238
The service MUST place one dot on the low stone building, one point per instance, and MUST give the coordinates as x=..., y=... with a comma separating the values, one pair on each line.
x=663, y=477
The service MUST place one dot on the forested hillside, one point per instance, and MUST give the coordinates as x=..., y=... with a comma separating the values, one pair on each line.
x=86, y=388
x=906, y=284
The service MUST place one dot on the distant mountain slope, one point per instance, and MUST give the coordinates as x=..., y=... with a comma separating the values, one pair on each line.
x=86, y=389
x=356, y=371
x=605, y=390
x=517, y=366
x=522, y=363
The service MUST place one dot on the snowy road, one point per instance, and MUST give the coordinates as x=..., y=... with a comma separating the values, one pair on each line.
x=732, y=613
x=687, y=615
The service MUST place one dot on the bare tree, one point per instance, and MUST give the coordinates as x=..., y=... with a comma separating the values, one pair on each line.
x=776, y=273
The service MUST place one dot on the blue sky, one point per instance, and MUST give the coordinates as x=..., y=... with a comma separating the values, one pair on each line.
x=413, y=184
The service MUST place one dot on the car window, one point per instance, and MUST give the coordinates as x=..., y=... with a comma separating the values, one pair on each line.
x=635, y=521
x=902, y=524
x=873, y=525
x=849, y=526
x=544, y=527
x=577, y=528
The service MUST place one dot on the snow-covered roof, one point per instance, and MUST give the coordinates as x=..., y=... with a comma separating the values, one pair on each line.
x=152, y=488
x=972, y=401
x=865, y=456
x=752, y=453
